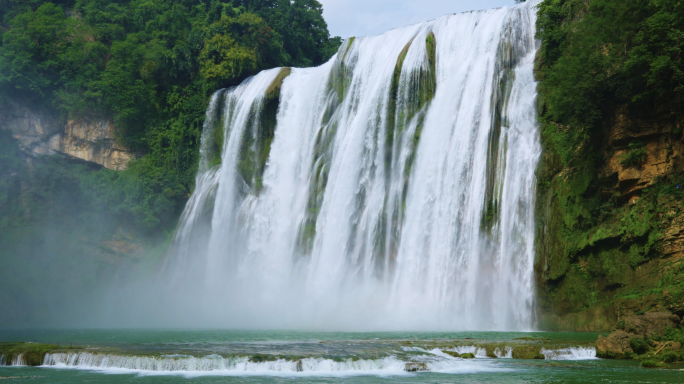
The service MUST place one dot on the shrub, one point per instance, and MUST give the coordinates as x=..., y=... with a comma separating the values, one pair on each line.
x=639, y=345
x=670, y=357
x=653, y=364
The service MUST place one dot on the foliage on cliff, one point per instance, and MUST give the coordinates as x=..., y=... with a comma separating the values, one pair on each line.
x=598, y=54
x=599, y=58
x=150, y=66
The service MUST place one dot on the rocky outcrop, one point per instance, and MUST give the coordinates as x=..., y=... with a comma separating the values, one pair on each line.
x=615, y=345
x=633, y=336
x=650, y=323
x=630, y=260
x=664, y=151
x=37, y=132
x=94, y=142
x=41, y=133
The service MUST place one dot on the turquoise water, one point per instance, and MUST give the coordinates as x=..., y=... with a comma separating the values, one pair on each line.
x=328, y=347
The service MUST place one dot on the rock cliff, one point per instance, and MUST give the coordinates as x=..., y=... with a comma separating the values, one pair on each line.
x=41, y=133
x=632, y=258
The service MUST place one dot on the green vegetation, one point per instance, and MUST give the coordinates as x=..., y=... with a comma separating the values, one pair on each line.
x=655, y=351
x=600, y=59
x=639, y=345
x=32, y=354
x=600, y=54
x=150, y=67
x=528, y=352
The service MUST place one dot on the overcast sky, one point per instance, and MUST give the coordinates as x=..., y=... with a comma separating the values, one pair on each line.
x=372, y=17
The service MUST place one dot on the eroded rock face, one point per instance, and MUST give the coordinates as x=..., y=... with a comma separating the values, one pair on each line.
x=94, y=142
x=658, y=136
x=37, y=132
x=664, y=152
x=41, y=133
x=616, y=345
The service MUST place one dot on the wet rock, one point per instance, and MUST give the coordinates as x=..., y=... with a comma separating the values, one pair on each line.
x=616, y=345
x=467, y=356
x=261, y=358
x=452, y=353
x=528, y=352
x=416, y=367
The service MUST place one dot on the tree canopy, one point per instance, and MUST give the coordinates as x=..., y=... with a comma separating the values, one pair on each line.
x=150, y=66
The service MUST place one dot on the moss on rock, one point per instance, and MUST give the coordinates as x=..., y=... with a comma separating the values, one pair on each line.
x=528, y=352
x=31, y=354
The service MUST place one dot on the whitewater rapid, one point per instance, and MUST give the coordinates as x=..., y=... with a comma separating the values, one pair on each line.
x=391, y=188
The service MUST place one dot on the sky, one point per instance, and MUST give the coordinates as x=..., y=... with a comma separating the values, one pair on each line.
x=372, y=17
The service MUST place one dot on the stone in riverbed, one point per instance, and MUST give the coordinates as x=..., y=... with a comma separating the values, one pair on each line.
x=467, y=356
x=416, y=367
x=452, y=353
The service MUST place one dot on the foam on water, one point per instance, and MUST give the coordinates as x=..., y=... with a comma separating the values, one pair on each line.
x=16, y=361
x=577, y=353
x=215, y=365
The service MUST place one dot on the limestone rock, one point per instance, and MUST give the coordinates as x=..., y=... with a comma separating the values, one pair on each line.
x=94, y=142
x=615, y=345
x=37, y=132
x=41, y=133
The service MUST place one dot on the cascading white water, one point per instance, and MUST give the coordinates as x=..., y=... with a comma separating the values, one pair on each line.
x=390, y=188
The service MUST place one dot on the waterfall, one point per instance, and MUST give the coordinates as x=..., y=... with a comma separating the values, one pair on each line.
x=390, y=188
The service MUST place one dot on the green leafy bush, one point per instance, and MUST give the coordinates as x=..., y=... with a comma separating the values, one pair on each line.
x=639, y=345
x=653, y=364
x=671, y=357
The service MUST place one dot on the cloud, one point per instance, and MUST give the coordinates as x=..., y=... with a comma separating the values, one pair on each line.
x=372, y=17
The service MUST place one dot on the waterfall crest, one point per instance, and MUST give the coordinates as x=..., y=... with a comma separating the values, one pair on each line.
x=390, y=188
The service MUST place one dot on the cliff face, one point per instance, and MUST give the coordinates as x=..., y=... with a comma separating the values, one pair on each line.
x=664, y=152
x=40, y=133
x=631, y=260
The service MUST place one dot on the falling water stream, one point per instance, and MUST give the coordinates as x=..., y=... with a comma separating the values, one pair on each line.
x=390, y=188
